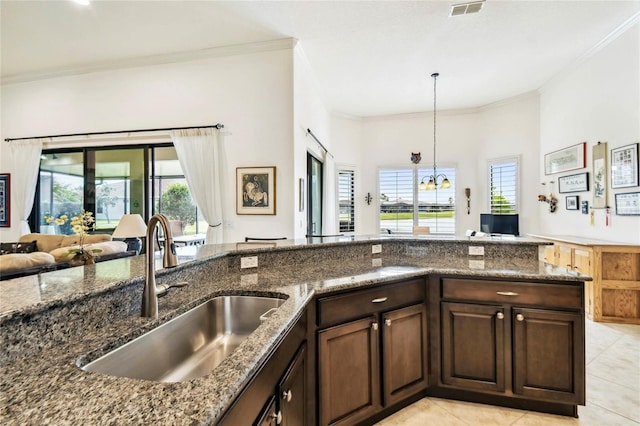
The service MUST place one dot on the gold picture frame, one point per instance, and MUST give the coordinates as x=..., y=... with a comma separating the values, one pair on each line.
x=256, y=190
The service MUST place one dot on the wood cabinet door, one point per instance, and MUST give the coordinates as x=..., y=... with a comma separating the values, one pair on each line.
x=565, y=257
x=404, y=352
x=292, y=391
x=548, y=355
x=349, y=372
x=473, y=346
x=268, y=416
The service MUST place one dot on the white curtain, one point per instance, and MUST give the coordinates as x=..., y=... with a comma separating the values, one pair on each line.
x=329, y=216
x=24, y=177
x=200, y=152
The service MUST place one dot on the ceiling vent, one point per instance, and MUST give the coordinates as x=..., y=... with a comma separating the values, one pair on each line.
x=466, y=8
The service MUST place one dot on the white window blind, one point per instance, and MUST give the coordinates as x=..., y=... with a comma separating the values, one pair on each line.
x=346, y=201
x=401, y=209
x=503, y=181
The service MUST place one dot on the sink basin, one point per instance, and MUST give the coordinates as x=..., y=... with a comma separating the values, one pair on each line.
x=190, y=345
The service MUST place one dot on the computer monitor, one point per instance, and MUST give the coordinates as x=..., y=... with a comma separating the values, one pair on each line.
x=499, y=223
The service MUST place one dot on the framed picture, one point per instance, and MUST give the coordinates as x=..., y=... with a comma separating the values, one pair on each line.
x=574, y=183
x=5, y=200
x=628, y=204
x=572, y=202
x=574, y=157
x=600, y=175
x=624, y=166
x=256, y=190
x=585, y=207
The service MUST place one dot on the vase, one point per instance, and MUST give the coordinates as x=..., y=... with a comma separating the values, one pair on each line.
x=83, y=257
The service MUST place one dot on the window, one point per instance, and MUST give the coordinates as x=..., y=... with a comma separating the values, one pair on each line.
x=503, y=181
x=346, y=201
x=403, y=205
x=111, y=182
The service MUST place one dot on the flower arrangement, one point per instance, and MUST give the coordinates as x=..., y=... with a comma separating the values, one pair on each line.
x=81, y=224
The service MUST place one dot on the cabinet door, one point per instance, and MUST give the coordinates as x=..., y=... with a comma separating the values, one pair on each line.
x=473, y=346
x=404, y=352
x=292, y=391
x=269, y=416
x=565, y=257
x=349, y=371
x=548, y=359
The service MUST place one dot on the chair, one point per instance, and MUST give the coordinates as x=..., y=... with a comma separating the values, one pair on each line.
x=176, y=231
x=421, y=230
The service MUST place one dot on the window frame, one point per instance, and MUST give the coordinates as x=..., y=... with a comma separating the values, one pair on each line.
x=515, y=160
x=353, y=204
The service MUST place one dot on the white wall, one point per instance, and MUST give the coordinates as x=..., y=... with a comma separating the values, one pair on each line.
x=466, y=139
x=251, y=94
x=310, y=112
x=511, y=128
x=598, y=100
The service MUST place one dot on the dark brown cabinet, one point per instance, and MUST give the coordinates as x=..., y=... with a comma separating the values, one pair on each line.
x=509, y=348
x=375, y=361
x=280, y=393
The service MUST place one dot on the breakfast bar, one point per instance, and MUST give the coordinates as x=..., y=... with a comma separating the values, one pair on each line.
x=52, y=324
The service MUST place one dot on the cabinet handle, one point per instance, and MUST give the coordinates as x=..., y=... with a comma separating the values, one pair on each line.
x=520, y=317
x=277, y=416
x=374, y=325
x=506, y=293
x=286, y=395
x=387, y=322
x=500, y=315
x=379, y=300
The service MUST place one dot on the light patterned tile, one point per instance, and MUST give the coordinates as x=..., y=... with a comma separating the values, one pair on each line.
x=613, y=397
x=594, y=415
x=480, y=414
x=532, y=418
x=421, y=413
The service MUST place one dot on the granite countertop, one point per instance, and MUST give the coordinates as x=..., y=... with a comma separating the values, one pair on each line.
x=95, y=312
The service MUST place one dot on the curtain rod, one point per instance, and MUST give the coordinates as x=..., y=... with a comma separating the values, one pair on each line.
x=217, y=126
x=319, y=143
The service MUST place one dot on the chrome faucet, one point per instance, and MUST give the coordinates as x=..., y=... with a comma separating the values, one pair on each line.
x=150, y=292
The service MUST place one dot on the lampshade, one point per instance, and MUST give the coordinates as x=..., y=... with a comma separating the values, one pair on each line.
x=130, y=226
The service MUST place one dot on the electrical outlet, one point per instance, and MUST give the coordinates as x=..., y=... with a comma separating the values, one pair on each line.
x=249, y=262
x=476, y=250
x=376, y=248
x=249, y=279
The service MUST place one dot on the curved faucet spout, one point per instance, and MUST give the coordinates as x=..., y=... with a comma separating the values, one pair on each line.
x=169, y=260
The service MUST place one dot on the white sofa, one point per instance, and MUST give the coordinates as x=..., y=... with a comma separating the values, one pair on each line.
x=53, y=251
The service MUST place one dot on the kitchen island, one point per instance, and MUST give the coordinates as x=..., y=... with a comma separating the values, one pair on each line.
x=55, y=322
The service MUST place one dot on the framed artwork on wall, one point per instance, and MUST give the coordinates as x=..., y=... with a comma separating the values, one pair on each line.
x=600, y=175
x=628, y=204
x=5, y=200
x=256, y=190
x=574, y=183
x=624, y=166
x=571, y=158
x=572, y=202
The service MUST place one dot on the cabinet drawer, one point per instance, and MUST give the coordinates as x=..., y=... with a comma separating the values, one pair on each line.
x=520, y=293
x=358, y=303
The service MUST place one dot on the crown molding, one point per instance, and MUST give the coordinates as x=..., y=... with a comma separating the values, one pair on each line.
x=193, y=55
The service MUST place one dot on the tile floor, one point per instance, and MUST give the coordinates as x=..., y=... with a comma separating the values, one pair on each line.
x=613, y=390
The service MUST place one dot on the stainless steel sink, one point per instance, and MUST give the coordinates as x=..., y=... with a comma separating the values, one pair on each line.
x=190, y=345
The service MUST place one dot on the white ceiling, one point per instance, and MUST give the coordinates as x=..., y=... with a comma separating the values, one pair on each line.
x=369, y=57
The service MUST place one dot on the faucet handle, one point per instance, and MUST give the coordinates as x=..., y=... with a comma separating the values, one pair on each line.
x=162, y=289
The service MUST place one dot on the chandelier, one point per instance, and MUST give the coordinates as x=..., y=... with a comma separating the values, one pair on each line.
x=433, y=179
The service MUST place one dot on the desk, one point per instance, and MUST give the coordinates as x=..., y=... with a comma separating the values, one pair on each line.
x=189, y=240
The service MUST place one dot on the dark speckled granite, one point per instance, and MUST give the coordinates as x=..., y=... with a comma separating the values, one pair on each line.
x=50, y=323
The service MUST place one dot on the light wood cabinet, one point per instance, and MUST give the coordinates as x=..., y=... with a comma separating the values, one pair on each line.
x=614, y=293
